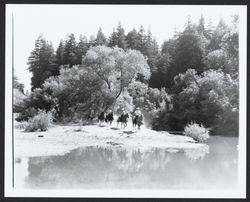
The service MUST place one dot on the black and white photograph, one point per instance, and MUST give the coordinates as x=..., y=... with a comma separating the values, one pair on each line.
x=125, y=101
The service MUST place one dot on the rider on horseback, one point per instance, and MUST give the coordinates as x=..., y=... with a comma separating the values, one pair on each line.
x=137, y=118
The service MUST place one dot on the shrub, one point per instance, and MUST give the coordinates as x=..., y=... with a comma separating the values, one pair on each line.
x=196, y=131
x=26, y=114
x=40, y=122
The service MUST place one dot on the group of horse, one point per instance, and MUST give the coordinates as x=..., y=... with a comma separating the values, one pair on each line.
x=122, y=120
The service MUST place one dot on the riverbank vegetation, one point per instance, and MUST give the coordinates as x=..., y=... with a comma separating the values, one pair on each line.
x=192, y=76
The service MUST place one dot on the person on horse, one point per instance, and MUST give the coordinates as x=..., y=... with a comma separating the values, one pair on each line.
x=109, y=117
x=138, y=118
x=91, y=115
x=123, y=119
x=101, y=117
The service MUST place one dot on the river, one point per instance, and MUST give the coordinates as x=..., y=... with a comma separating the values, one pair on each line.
x=212, y=167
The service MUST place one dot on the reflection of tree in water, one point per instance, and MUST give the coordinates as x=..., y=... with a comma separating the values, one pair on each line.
x=94, y=165
x=97, y=167
x=197, y=153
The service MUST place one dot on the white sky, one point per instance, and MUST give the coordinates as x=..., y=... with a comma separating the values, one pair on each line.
x=56, y=21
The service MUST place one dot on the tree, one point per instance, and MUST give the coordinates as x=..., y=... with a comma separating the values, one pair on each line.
x=69, y=55
x=100, y=38
x=201, y=26
x=133, y=40
x=81, y=49
x=210, y=98
x=100, y=82
x=17, y=85
x=190, y=52
x=217, y=36
x=76, y=91
x=230, y=45
x=19, y=95
x=118, y=38
x=60, y=54
x=169, y=47
x=115, y=67
x=41, y=62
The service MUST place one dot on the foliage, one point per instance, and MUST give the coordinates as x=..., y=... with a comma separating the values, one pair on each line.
x=118, y=38
x=69, y=51
x=18, y=94
x=41, y=62
x=17, y=85
x=100, y=38
x=210, y=98
x=38, y=99
x=19, y=98
x=60, y=54
x=76, y=90
x=196, y=131
x=124, y=102
x=151, y=101
x=192, y=76
x=115, y=67
x=40, y=122
x=190, y=52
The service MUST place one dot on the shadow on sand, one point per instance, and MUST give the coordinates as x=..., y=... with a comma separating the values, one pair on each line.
x=114, y=128
x=101, y=126
x=129, y=132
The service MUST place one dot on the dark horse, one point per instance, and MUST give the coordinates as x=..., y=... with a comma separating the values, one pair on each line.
x=101, y=117
x=109, y=117
x=123, y=119
x=137, y=121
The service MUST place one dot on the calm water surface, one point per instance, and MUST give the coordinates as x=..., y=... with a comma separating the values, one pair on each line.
x=212, y=167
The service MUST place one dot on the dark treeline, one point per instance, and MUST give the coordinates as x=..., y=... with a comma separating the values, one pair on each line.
x=193, y=76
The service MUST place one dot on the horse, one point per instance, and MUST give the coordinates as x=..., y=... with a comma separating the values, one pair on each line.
x=101, y=117
x=123, y=119
x=109, y=117
x=137, y=121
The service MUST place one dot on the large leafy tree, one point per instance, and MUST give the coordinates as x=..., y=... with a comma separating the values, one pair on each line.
x=116, y=67
x=41, y=62
x=100, y=82
x=76, y=91
x=210, y=98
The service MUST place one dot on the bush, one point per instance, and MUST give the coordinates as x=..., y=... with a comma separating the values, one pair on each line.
x=26, y=114
x=40, y=122
x=197, y=132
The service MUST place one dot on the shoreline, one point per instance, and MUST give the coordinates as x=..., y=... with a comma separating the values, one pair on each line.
x=61, y=139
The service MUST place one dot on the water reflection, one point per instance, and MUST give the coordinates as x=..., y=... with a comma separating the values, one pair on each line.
x=97, y=167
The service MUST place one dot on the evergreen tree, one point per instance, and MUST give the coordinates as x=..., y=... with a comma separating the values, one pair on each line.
x=92, y=40
x=81, y=49
x=190, y=52
x=41, y=62
x=69, y=55
x=133, y=40
x=59, y=53
x=17, y=85
x=100, y=38
x=201, y=26
x=118, y=38
x=217, y=36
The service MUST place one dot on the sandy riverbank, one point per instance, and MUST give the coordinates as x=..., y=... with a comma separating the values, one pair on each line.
x=62, y=139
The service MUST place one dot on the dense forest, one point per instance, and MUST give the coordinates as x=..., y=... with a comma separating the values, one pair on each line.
x=192, y=76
